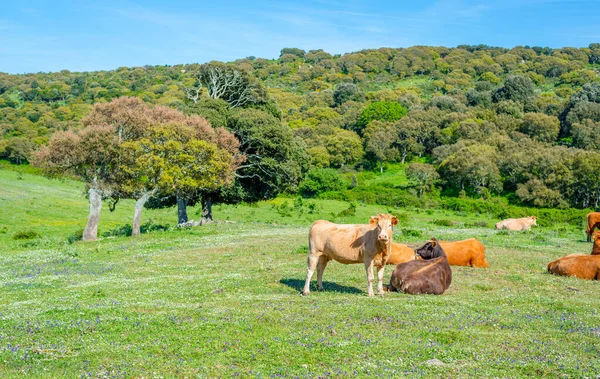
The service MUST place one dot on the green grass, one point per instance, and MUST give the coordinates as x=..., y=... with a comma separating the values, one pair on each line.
x=223, y=300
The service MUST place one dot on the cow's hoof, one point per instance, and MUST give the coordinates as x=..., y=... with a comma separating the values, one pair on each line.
x=305, y=293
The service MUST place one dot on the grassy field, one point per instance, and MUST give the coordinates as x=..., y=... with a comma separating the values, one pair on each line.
x=223, y=300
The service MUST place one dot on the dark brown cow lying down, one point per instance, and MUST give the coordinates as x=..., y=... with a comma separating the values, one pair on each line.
x=432, y=275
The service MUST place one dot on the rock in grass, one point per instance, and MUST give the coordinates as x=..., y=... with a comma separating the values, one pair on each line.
x=434, y=362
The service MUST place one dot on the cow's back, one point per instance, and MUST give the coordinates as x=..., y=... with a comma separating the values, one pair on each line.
x=400, y=254
x=578, y=265
x=340, y=242
x=469, y=252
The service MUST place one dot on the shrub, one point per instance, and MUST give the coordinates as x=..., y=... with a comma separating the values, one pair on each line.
x=350, y=211
x=381, y=111
x=284, y=209
x=125, y=229
x=412, y=232
x=321, y=180
x=26, y=235
x=77, y=236
x=443, y=222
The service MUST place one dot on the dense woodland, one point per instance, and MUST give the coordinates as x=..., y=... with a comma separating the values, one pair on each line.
x=473, y=121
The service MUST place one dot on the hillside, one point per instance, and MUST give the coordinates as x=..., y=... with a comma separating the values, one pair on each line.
x=517, y=122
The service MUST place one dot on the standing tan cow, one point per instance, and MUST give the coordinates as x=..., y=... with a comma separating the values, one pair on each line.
x=593, y=222
x=524, y=223
x=370, y=244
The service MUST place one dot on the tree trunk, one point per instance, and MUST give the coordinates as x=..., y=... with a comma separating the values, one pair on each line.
x=181, y=210
x=91, y=229
x=381, y=167
x=137, y=213
x=206, y=211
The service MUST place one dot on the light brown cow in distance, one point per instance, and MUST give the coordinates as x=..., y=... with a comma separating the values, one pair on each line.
x=370, y=244
x=524, y=223
x=593, y=222
x=431, y=275
x=468, y=252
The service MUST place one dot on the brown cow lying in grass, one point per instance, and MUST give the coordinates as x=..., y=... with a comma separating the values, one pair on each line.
x=432, y=275
x=468, y=252
x=370, y=244
x=593, y=222
x=579, y=265
x=524, y=223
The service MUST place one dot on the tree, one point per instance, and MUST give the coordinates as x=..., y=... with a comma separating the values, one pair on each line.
x=275, y=161
x=536, y=193
x=294, y=51
x=345, y=92
x=584, y=188
x=92, y=154
x=381, y=111
x=517, y=88
x=132, y=119
x=379, y=138
x=586, y=135
x=17, y=150
x=344, y=147
x=424, y=175
x=473, y=168
x=320, y=180
x=176, y=160
x=227, y=83
x=541, y=127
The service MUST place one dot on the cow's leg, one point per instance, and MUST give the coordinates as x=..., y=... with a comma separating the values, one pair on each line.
x=370, y=278
x=320, y=269
x=312, y=264
x=380, y=278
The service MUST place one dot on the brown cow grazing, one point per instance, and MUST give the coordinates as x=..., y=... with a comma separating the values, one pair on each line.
x=593, y=222
x=468, y=252
x=370, y=244
x=524, y=223
x=432, y=275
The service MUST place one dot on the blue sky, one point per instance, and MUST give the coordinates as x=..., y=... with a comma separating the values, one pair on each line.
x=80, y=35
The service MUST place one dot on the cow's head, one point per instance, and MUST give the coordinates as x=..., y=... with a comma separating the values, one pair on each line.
x=533, y=220
x=430, y=250
x=383, y=226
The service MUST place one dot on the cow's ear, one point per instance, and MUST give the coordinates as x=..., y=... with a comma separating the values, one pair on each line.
x=434, y=242
x=373, y=220
x=394, y=220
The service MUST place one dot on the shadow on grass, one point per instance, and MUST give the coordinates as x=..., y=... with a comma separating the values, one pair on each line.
x=298, y=284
